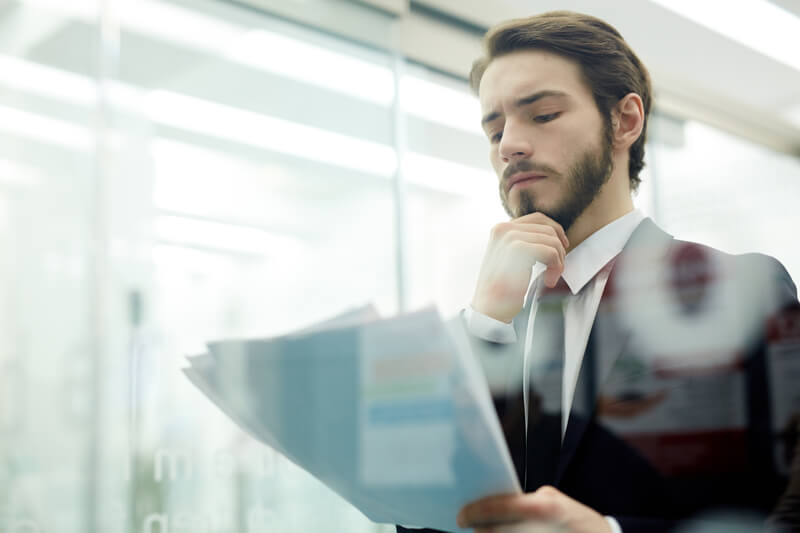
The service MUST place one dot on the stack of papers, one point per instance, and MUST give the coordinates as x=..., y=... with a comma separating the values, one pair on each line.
x=394, y=415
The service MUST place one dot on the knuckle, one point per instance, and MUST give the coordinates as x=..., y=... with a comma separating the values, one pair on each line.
x=498, y=230
x=547, y=490
x=549, y=499
x=518, y=246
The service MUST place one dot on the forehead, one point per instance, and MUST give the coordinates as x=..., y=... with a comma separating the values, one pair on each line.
x=521, y=73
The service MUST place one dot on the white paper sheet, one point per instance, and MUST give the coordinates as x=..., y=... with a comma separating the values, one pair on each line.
x=394, y=415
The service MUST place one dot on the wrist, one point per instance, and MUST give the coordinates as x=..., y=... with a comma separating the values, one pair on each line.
x=491, y=311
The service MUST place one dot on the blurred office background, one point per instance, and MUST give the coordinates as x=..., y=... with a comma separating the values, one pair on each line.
x=178, y=171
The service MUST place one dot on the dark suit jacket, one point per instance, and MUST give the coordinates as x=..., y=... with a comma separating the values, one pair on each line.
x=682, y=391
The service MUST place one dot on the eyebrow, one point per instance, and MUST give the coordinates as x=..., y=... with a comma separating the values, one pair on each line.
x=525, y=100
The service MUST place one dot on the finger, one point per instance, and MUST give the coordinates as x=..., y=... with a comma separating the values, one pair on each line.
x=551, y=226
x=500, y=509
x=500, y=230
x=546, y=239
x=540, y=218
x=474, y=512
x=545, y=249
x=545, y=225
x=547, y=255
x=522, y=255
x=551, y=276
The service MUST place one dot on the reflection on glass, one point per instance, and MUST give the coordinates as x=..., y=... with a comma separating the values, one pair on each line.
x=250, y=194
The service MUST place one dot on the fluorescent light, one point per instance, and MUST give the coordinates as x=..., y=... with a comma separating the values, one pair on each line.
x=159, y=19
x=757, y=24
x=282, y=55
x=246, y=127
x=276, y=53
x=258, y=49
x=270, y=133
x=306, y=142
x=38, y=79
x=419, y=97
x=315, y=65
x=438, y=103
x=45, y=129
x=182, y=112
x=188, y=27
x=207, y=234
x=85, y=10
x=75, y=89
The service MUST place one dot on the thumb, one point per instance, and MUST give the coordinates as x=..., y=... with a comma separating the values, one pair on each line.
x=551, y=276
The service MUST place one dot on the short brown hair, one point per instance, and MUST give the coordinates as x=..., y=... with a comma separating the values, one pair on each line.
x=609, y=66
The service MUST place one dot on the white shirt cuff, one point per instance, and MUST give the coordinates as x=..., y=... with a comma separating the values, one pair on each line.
x=614, y=524
x=487, y=328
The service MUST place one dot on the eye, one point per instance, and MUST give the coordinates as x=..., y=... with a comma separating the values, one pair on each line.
x=495, y=138
x=541, y=119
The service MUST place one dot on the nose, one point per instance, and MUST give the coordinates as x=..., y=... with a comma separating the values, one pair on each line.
x=514, y=144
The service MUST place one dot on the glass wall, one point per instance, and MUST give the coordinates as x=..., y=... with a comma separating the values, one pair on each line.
x=227, y=190
x=47, y=210
x=729, y=193
x=207, y=172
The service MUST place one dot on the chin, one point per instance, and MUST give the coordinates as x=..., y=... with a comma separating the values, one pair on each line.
x=526, y=206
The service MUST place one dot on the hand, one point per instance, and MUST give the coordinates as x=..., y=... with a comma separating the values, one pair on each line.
x=513, y=248
x=546, y=510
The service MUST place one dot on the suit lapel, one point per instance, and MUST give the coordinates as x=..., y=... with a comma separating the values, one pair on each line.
x=608, y=338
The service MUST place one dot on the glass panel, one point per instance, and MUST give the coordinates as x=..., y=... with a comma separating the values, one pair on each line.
x=452, y=198
x=249, y=194
x=729, y=193
x=254, y=181
x=47, y=183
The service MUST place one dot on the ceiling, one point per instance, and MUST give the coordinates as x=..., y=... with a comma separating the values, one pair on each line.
x=695, y=71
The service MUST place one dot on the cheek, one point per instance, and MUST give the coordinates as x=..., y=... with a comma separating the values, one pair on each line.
x=573, y=143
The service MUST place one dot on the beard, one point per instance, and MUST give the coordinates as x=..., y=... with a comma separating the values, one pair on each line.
x=582, y=183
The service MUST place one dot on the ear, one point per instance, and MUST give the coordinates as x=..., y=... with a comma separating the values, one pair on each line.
x=627, y=121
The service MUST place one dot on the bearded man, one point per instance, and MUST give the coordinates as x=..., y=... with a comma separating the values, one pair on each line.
x=640, y=381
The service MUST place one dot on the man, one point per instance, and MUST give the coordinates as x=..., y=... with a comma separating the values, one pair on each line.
x=661, y=409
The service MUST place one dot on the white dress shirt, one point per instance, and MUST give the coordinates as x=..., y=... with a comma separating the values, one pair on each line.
x=586, y=279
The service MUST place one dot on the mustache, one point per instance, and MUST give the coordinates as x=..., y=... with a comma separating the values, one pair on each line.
x=526, y=166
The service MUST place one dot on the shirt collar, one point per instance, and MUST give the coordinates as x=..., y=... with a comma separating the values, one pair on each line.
x=590, y=256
